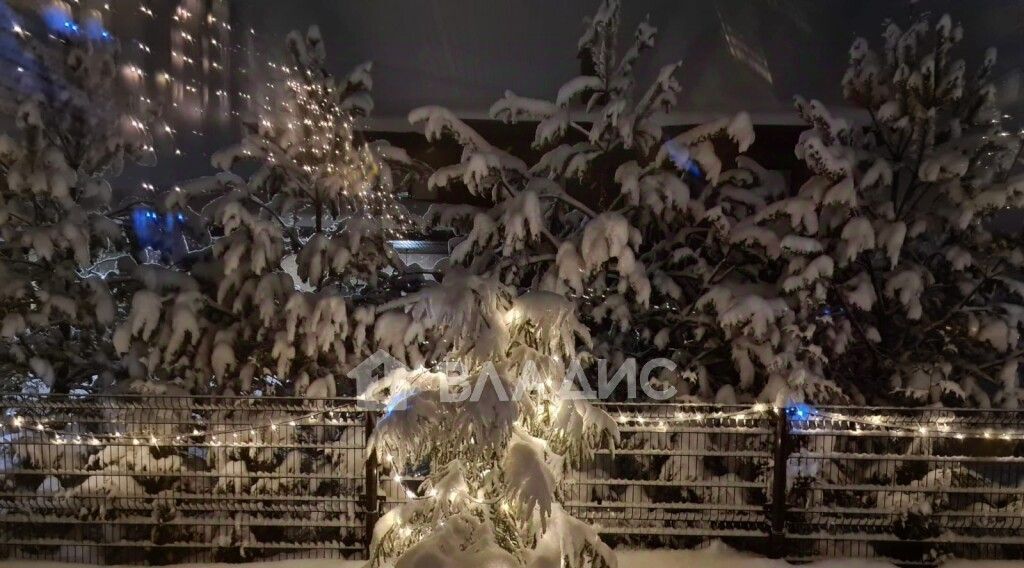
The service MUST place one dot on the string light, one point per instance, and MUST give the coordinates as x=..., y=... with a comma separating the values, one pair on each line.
x=326, y=159
x=698, y=417
x=810, y=420
x=861, y=424
x=18, y=422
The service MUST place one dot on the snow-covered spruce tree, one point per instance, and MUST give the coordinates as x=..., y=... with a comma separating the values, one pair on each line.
x=647, y=245
x=635, y=231
x=916, y=298
x=77, y=126
x=62, y=240
x=271, y=300
x=276, y=297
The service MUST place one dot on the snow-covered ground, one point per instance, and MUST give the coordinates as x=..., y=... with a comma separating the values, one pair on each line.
x=715, y=556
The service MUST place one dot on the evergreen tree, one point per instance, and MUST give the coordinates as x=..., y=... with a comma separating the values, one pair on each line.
x=60, y=238
x=913, y=296
x=274, y=296
x=285, y=258
x=634, y=230
x=910, y=293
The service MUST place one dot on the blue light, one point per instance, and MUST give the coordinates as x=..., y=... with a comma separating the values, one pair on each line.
x=95, y=31
x=156, y=230
x=826, y=311
x=680, y=156
x=143, y=227
x=59, y=21
x=801, y=411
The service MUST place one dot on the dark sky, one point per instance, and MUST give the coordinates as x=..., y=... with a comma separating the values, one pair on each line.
x=753, y=54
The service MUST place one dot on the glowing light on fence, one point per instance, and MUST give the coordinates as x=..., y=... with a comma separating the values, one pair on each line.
x=815, y=419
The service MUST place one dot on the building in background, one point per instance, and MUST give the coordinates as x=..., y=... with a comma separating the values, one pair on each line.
x=181, y=51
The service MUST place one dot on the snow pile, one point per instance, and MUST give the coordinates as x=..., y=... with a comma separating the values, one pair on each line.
x=716, y=555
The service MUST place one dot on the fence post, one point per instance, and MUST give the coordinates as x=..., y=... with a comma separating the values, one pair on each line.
x=371, y=498
x=777, y=538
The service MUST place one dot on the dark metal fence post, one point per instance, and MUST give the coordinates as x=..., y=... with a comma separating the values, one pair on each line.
x=371, y=498
x=777, y=538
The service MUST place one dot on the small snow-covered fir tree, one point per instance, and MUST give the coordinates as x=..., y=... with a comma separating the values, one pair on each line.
x=638, y=244
x=58, y=234
x=496, y=445
x=657, y=243
x=910, y=293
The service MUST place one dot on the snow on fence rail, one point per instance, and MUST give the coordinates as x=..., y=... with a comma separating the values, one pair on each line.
x=159, y=479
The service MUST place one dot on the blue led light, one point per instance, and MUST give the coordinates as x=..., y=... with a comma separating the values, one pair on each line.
x=156, y=230
x=59, y=21
x=801, y=411
x=826, y=311
x=680, y=156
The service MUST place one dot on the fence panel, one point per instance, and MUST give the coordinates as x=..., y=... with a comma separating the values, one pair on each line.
x=682, y=474
x=912, y=485
x=160, y=479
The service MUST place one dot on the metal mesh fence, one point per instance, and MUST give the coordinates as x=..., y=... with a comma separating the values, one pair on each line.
x=160, y=479
x=912, y=485
x=681, y=474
